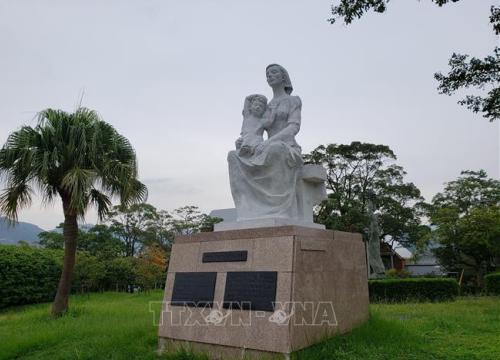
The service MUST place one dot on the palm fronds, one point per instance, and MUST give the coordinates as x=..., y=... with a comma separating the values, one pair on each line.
x=74, y=155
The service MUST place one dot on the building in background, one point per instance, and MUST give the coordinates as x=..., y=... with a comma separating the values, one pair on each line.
x=425, y=263
x=395, y=256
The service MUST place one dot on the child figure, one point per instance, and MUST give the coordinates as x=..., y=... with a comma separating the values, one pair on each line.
x=253, y=125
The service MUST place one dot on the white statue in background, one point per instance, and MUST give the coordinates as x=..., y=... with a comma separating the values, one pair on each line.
x=268, y=177
x=376, y=266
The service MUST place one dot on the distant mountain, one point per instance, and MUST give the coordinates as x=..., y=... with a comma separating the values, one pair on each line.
x=22, y=231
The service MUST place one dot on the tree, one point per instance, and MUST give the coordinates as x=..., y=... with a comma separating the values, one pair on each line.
x=151, y=267
x=464, y=72
x=52, y=239
x=188, y=220
x=352, y=9
x=472, y=189
x=120, y=273
x=358, y=171
x=89, y=273
x=98, y=241
x=163, y=232
x=185, y=220
x=79, y=158
x=466, y=216
x=132, y=224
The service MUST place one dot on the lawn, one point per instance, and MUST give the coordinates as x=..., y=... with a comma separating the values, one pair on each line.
x=120, y=326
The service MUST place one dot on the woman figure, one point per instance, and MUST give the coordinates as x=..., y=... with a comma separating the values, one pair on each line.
x=264, y=185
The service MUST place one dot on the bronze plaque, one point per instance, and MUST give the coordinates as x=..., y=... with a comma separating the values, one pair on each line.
x=250, y=290
x=194, y=289
x=224, y=256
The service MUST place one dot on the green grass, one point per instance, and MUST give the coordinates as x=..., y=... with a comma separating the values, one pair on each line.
x=98, y=326
x=121, y=326
x=466, y=329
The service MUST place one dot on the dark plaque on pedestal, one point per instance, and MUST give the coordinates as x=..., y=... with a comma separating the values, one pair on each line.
x=250, y=290
x=224, y=256
x=194, y=289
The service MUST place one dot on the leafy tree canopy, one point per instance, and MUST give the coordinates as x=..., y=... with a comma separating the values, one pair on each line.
x=99, y=241
x=465, y=71
x=51, y=239
x=185, y=220
x=472, y=189
x=131, y=224
x=348, y=10
x=358, y=171
x=142, y=225
x=468, y=72
x=76, y=156
x=466, y=216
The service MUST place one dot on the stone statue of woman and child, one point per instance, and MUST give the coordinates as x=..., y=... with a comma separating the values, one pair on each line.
x=270, y=183
x=271, y=186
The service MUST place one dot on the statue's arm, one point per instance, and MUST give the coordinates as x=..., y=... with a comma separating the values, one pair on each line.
x=238, y=143
x=267, y=121
x=288, y=132
x=239, y=140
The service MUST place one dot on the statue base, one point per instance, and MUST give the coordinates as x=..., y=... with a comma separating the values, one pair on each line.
x=262, y=293
x=264, y=222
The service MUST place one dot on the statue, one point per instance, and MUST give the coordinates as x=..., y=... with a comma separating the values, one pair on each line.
x=274, y=193
x=376, y=267
x=268, y=177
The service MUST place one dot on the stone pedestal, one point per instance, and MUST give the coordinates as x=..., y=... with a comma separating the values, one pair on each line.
x=262, y=293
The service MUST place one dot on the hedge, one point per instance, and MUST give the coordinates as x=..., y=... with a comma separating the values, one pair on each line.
x=415, y=289
x=493, y=284
x=30, y=275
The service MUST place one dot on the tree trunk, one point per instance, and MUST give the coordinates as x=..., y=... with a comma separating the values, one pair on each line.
x=70, y=232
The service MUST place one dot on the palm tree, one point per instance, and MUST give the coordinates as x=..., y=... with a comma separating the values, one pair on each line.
x=77, y=156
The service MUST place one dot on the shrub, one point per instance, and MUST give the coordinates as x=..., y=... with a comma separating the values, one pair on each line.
x=28, y=275
x=418, y=289
x=395, y=273
x=89, y=273
x=493, y=283
x=149, y=275
x=119, y=273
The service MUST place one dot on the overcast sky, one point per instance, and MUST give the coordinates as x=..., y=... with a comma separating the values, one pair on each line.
x=172, y=75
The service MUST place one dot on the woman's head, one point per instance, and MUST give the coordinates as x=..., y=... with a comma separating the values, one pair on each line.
x=276, y=75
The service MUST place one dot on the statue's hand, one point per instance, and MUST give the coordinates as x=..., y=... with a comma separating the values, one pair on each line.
x=238, y=143
x=246, y=151
x=260, y=148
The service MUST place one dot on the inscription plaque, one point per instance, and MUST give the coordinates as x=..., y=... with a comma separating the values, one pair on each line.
x=224, y=256
x=250, y=290
x=194, y=289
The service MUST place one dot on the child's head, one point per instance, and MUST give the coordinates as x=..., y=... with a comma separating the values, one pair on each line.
x=258, y=104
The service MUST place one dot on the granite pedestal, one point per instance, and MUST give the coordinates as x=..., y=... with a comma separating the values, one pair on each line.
x=262, y=293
